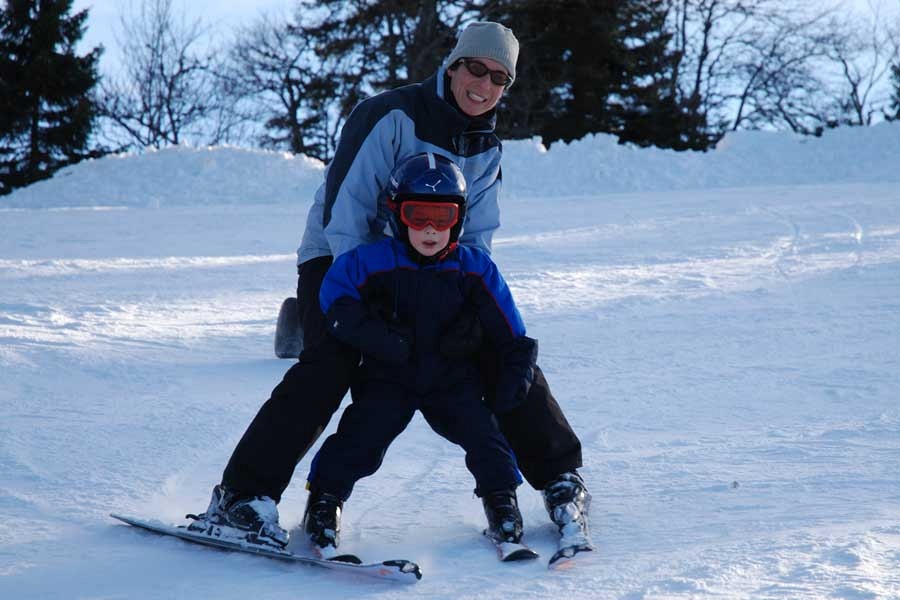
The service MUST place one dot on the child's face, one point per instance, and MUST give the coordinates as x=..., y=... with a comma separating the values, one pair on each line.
x=428, y=241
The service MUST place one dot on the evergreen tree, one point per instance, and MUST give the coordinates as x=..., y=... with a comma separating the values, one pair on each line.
x=562, y=76
x=585, y=66
x=46, y=110
x=584, y=44
x=647, y=107
x=593, y=66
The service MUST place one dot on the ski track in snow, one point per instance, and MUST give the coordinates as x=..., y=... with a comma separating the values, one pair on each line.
x=728, y=357
x=12, y=269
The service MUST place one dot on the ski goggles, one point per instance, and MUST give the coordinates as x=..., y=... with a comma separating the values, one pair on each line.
x=418, y=214
x=478, y=69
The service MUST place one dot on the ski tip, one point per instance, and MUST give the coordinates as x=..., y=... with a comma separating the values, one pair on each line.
x=563, y=558
x=521, y=554
x=122, y=518
x=405, y=567
x=511, y=551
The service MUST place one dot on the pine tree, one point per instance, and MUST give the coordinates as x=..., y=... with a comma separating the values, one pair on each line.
x=593, y=66
x=585, y=66
x=649, y=109
x=563, y=75
x=46, y=109
x=587, y=45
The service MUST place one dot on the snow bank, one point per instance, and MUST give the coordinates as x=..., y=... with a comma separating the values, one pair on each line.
x=599, y=164
x=596, y=164
x=176, y=177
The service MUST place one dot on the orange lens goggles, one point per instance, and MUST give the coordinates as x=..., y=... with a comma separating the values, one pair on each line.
x=417, y=214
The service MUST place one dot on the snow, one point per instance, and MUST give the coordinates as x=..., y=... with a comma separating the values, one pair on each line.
x=720, y=328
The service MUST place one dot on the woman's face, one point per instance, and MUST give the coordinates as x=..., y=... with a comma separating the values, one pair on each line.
x=475, y=95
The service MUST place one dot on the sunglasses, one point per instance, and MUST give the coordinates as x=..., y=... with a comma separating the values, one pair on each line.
x=479, y=69
x=418, y=214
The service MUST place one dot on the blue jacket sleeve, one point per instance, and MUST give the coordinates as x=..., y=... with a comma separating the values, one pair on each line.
x=349, y=318
x=362, y=163
x=483, y=211
x=504, y=327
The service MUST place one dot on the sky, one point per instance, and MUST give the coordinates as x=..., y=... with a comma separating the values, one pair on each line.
x=105, y=16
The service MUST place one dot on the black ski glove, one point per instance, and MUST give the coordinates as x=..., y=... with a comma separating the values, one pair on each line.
x=352, y=323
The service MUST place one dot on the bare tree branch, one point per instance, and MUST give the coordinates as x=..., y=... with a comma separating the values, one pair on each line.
x=751, y=63
x=166, y=91
x=863, y=50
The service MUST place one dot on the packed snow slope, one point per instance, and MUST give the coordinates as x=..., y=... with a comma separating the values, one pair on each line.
x=722, y=329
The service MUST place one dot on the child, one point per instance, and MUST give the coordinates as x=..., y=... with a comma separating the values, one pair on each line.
x=393, y=300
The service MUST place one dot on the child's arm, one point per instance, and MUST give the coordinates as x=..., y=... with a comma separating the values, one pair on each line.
x=503, y=325
x=349, y=318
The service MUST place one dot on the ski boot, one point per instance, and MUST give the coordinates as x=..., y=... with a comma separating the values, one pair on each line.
x=322, y=525
x=504, y=518
x=567, y=502
x=251, y=518
x=505, y=525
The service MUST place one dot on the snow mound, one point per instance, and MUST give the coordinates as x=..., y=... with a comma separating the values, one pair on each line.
x=596, y=164
x=599, y=164
x=177, y=176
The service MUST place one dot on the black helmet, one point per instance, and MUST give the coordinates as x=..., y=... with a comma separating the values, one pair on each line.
x=426, y=177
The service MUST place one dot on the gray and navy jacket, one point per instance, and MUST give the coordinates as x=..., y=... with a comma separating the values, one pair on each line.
x=395, y=310
x=349, y=209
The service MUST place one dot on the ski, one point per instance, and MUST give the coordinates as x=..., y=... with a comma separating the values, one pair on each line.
x=563, y=558
x=331, y=553
x=393, y=570
x=510, y=551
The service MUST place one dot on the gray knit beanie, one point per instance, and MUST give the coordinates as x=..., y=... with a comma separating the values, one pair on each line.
x=486, y=39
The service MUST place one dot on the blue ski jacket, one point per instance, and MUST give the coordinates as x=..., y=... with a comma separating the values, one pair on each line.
x=348, y=209
x=395, y=310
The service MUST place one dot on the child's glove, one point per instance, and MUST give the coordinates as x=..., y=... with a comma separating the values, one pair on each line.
x=463, y=338
x=517, y=371
x=352, y=323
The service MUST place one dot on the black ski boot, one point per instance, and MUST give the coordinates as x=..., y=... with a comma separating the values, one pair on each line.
x=254, y=517
x=567, y=502
x=322, y=519
x=505, y=526
x=504, y=518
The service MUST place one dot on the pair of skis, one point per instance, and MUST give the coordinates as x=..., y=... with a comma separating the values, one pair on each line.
x=392, y=570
